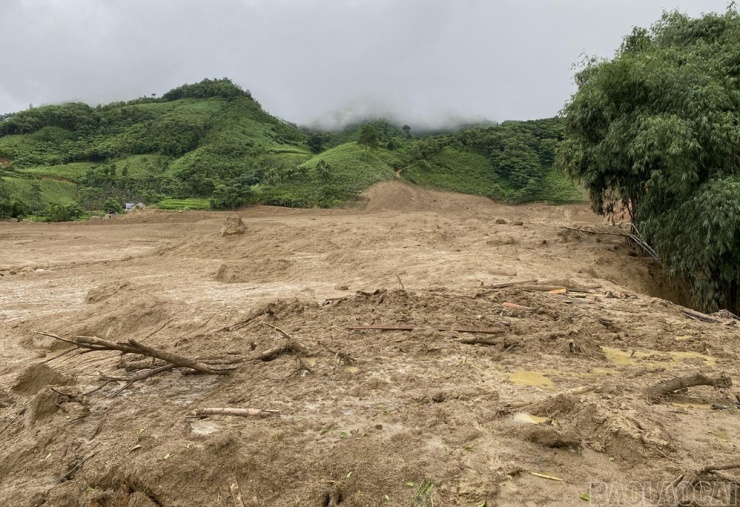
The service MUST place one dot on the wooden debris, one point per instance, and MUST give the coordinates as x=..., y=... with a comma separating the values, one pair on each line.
x=238, y=412
x=480, y=341
x=94, y=343
x=602, y=233
x=435, y=328
x=699, y=316
x=290, y=345
x=236, y=494
x=75, y=468
x=340, y=356
x=656, y=392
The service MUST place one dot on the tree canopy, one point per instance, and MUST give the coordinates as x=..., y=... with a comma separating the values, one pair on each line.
x=658, y=127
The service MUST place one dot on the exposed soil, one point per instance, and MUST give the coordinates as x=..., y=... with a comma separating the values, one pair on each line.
x=549, y=410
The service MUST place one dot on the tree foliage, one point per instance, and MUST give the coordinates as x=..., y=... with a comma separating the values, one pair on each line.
x=658, y=127
x=368, y=136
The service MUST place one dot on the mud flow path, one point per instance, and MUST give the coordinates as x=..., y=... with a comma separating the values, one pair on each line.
x=518, y=373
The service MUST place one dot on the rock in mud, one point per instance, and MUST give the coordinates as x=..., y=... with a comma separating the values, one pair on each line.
x=233, y=226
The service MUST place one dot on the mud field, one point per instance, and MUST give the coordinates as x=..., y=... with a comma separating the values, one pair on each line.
x=550, y=405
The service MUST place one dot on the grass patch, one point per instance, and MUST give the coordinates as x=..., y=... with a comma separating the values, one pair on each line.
x=71, y=172
x=184, y=204
x=47, y=191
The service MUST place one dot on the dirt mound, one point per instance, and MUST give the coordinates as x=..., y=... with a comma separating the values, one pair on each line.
x=37, y=377
x=401, y=196
x=233, y=226
x=258, y=270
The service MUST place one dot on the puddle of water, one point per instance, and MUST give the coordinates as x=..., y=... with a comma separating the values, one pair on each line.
x=628, y=358
x=203, y=427
x=721, y=434
x=530, y=378
x=526, y=418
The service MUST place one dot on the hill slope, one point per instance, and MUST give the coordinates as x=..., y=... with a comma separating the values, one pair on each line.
x=213, y=141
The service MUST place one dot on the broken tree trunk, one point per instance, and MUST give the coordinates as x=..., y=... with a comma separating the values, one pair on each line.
x=239, y=412
x=656, y=392
x=435, y=328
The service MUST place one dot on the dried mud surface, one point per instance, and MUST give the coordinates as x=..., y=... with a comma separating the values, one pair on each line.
x=551, y=411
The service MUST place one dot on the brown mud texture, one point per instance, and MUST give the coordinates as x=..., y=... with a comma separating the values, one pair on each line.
x=549, y=407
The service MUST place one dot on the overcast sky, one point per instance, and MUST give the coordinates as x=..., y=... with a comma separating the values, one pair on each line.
x=425, y=60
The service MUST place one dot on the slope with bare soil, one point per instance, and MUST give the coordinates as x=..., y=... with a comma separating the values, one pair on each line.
x=546, y=406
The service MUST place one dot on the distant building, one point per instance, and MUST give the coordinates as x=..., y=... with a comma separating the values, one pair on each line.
x=130, y=206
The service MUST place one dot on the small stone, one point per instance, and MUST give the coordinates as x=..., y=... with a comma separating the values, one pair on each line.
x=501, y=221
x=518, y=222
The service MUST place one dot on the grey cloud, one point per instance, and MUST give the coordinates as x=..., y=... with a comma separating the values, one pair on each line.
x=324, y=61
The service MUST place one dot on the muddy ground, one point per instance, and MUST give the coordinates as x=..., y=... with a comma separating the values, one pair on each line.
x=551, y=409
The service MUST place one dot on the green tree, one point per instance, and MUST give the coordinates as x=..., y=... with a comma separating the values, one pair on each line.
x=657, y=128
x=111, y=205
x=368, y=136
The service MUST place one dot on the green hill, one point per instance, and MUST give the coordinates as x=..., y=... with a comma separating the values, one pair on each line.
x=212, y=142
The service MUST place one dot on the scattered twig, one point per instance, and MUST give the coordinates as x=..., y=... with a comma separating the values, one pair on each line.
x=435, y=328
x=291, y=345
x=158, y=329
x=601, y=233
x=235, y=493
x=239, y=412
x=75, y=468
x=346, y=358
x=400, y=283
x=139, y=376
x=18, y=414
x=479, y=341
x=661, y=389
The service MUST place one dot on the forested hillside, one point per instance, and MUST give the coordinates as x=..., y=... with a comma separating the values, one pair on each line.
x=211, y=144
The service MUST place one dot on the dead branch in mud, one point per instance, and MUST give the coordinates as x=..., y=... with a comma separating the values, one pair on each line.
x=290, y=345
x=600, y=233
x=340, y=356
x=699, y=316
x=93, y=343
x=479, y=341
x=656, y=392
x=76, y=467
x=716, y=468
x=401, y=283
x=238, y=412
x=235, y=493
x=514, y=306
x=435, y=328
x=685, y=484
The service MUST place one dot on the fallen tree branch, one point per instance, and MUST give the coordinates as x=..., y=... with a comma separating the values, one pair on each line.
x=134, y=347
x=716, y=468
x=699, y=316
x=435, y=328
x=479, y=341
x=239, y=412
x=656, y=392
x=601, y=233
